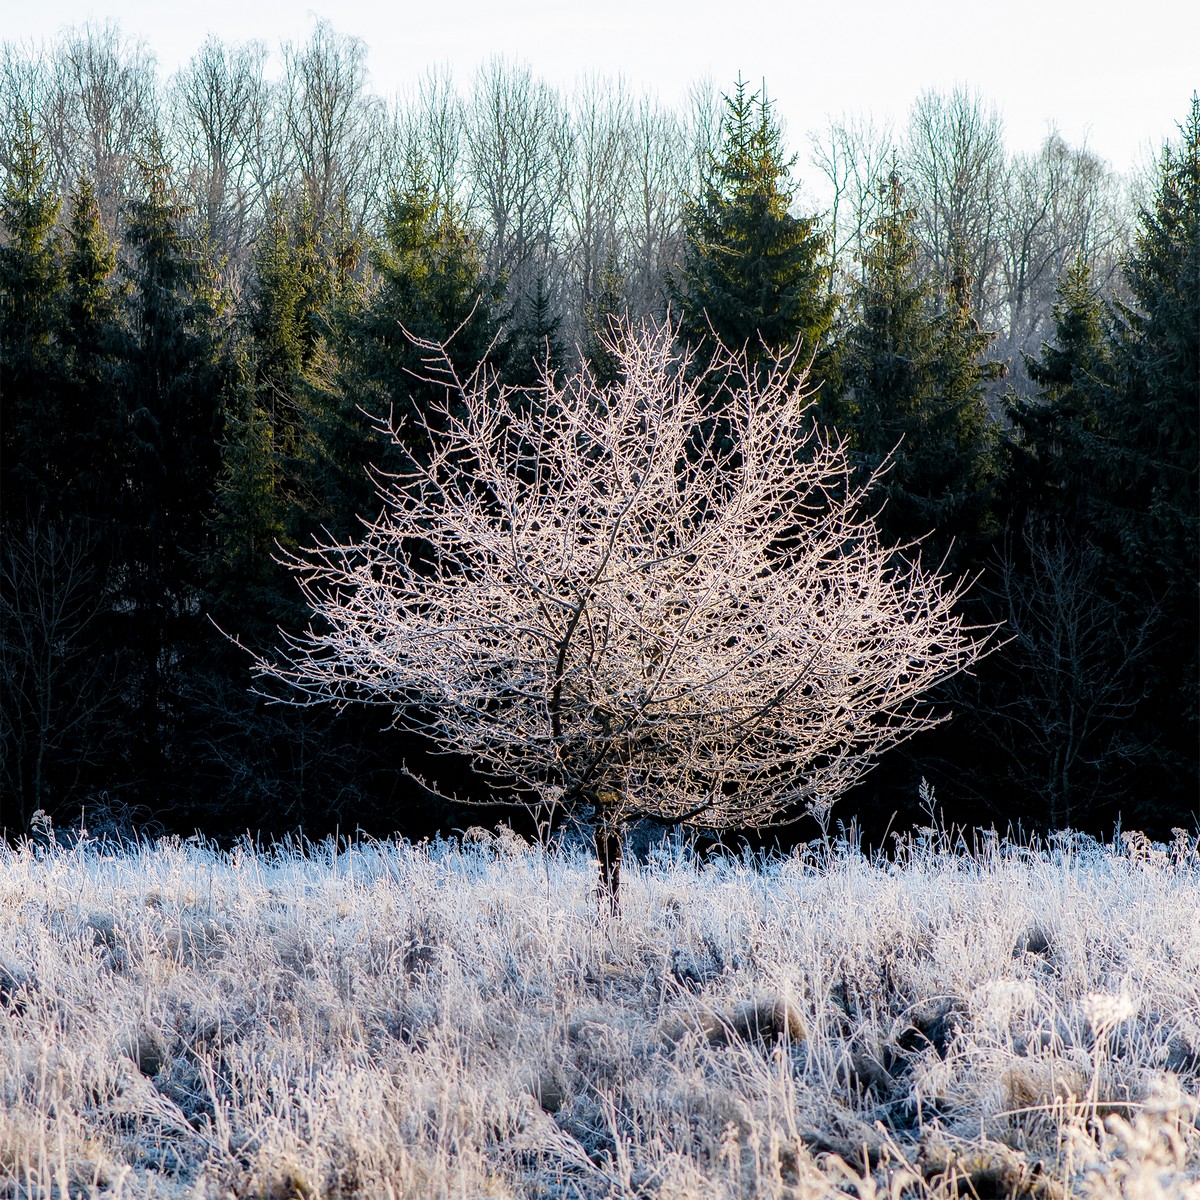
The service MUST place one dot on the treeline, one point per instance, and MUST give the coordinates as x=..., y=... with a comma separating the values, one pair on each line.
x=204, y=293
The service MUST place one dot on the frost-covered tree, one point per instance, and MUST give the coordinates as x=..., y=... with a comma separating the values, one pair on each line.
x=612, y=608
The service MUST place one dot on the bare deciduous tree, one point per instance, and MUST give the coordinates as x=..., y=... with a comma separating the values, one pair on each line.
x=594, y=159
x=53, y=679
x=853, y=155
x=335, y=129
x=428, y=141
x=514, y=127
x=1061, y=206
x=615, y=599
x=954, y=158
x=657, y=180
x=100, y=116
x=217, y=99
x=704, y=127
x=24, y=86
x=1074, y=665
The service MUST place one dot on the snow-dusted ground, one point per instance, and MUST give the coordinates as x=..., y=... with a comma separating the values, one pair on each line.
x=426, y=1021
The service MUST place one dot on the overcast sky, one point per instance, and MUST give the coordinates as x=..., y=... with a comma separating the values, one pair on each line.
x=1118, y=76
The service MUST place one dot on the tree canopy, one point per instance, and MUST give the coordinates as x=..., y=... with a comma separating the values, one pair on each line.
x=607, y=607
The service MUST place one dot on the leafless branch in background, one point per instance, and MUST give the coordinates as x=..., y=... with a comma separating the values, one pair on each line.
x=954, y=162
x=100, y=118
x=54, y=679
x=1063, y=721
x=853, y=154
x=217, y=103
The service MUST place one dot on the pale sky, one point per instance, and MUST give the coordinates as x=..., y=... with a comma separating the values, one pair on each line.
x=1116, y=76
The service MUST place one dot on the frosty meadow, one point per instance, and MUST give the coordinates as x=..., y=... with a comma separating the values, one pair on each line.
x=450, y=1020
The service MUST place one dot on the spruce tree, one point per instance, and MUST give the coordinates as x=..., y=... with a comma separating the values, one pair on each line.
x=90, y=332
x=429, y=284
x=1148, y=467
x=603, y=315
x=1149, y=420
x=294, y=461
x=1051, y=452
x=30, y=359
x=271, y=448
x=288, y=291
x=1056, y=702
x=175, y=373
x=962, y=459
x=249, y=522
x=753, y=273
x=276, y=485
x=890, y=344
x=60, y=673
x=1107, y=458
x=531, y=344
x=914, y=390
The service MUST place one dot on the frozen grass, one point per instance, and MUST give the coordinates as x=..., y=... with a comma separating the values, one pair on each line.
x=428, y=1021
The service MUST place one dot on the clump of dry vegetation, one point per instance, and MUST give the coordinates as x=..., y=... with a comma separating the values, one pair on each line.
x=452, y=1020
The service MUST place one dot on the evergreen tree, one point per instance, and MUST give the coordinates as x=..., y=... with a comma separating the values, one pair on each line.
x=914, y=390
x=1149, y=421
x=268, y=445
x=30, y=361
x=1147, y=464
x=532, y=344
x=90, y=331
x=59, y=672
x=753, y=274
x=289, y=289
x=320, y=348
x=293, y=462
x=430, y=284
x=175, y=373
x=890, y=345
x=1107, y=458
x=603, y=316
x=960, y=467
x=297, y=446
x=1056, y=704
x=1050, y=472
x=245, y=582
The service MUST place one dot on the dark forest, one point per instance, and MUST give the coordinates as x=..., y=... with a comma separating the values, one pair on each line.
x=206, y=291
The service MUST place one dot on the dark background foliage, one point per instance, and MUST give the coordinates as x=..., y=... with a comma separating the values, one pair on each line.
x=200, y=317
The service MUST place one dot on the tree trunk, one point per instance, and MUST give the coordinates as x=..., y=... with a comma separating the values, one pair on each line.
x=609, y=836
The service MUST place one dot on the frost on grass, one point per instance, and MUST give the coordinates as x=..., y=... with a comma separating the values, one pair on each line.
x=435, y=1021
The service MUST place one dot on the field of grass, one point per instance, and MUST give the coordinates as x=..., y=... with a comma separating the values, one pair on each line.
x=455, y=1021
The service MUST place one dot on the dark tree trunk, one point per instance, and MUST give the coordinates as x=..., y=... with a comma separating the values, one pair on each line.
x=609, y=837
